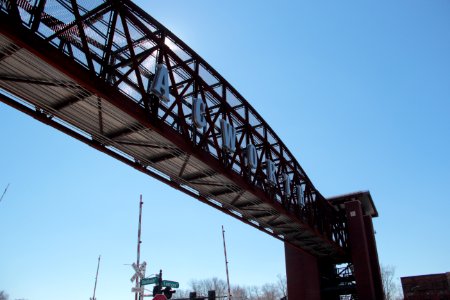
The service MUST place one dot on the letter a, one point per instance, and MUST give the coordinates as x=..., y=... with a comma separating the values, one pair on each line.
x=228, y=136
x=160, y=83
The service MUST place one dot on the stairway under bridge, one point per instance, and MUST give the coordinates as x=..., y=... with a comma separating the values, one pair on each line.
x=111, y=76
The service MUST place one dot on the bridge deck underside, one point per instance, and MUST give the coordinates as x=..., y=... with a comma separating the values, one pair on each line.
x=28, y=80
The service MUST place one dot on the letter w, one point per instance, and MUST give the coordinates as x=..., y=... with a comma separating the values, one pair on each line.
x=228, y=136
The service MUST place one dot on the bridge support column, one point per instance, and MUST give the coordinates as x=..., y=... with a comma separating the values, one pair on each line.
x=302, y=273
x=373, y=254
x=360, y=251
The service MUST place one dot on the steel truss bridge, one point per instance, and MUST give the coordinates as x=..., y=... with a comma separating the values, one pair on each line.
x=86, y=68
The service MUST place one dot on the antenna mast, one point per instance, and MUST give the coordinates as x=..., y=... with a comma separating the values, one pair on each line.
x=226, y=263
x=6, y=189
x=96, y=277
x=139, y=245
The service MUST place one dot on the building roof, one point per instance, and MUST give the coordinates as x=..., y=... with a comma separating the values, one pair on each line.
x=364, y=197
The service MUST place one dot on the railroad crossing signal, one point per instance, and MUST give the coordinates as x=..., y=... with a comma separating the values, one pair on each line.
x=168, y=292
x=156, y=290
x=159, y=284
x=139, y=271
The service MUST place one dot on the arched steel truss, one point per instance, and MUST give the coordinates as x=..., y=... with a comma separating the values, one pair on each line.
x=85, y=67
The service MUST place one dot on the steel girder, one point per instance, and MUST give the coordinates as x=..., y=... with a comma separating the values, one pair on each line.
x=109, y=50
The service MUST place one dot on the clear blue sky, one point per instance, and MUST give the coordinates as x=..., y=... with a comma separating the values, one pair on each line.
x=358, y=90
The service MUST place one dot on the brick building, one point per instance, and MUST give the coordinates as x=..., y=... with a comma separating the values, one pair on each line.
x=427, y=287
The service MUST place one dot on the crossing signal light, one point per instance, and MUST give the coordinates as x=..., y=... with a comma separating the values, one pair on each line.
x=168, y=292
x=211, y=295
x=156, y=290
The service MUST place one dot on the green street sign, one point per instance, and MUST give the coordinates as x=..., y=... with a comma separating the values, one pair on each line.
x=172, y=284
x=151, y=280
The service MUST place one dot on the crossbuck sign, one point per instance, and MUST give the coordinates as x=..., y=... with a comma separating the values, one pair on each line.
x=139, y=273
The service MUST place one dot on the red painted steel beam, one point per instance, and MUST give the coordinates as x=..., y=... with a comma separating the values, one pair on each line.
x=302, y=274
x=103, y=148
x=139, y=11
x=373, y=254
x=59, y=61
x=71, y=100
x=359, y=250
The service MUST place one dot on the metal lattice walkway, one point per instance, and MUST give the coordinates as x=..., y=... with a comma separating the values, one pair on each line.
x=85, y=68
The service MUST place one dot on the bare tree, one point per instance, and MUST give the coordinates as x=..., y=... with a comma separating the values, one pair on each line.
x=282, y=285
x=180, y=293
x=3, y=295
x=239, y=293
x=391, y=290
x=270, y=292
x=201, y=287
x=254, y=293
x=218, y=285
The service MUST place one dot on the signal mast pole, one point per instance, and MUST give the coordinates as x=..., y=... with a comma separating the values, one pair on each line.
x=139, y=244
x=226, y=263
x=96, y=277
x=6, y=189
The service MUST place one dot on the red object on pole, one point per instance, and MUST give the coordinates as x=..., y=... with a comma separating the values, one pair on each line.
x=160, y=297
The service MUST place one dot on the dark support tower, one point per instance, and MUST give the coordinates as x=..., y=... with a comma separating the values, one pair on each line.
x=373, y=254
x=302, y=272
x=359, y=251
x=358, y=275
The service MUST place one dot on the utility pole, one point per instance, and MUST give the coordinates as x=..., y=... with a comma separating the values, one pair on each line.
x=139, y=245
x=96, y=277
x=226, y=263
x=6, y=189
x=139, y=269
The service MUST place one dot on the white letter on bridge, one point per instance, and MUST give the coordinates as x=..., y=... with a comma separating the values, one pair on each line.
x=287, y=185
x=270, y=172
x=300, y=195
x=251, y=156
x=160, y=83
x=198, y=113
x=228, y=136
